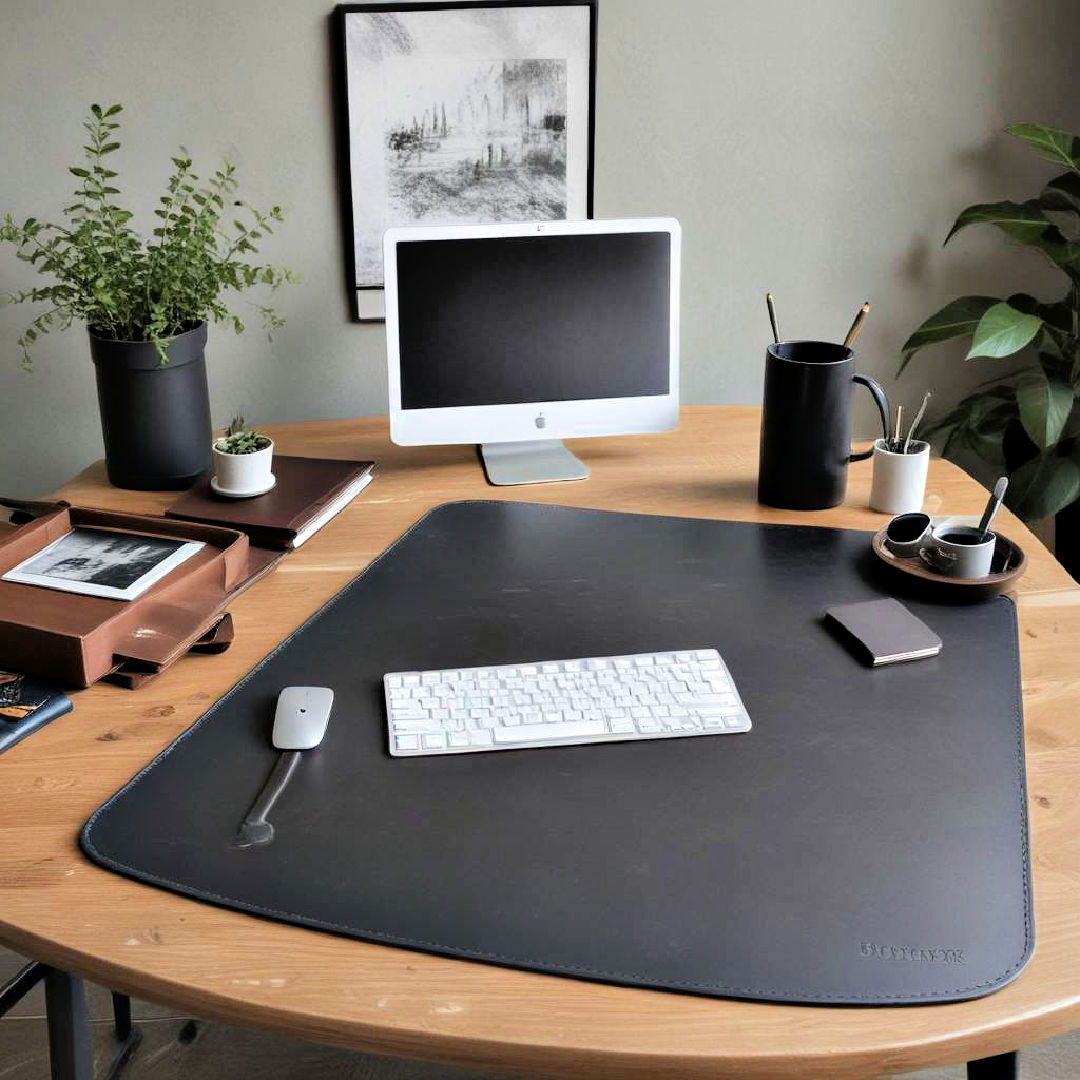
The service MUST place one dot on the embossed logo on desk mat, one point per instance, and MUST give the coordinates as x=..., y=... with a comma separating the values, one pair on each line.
x=871, y=822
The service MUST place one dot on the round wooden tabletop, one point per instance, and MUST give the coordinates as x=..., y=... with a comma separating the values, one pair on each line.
x=57, y=907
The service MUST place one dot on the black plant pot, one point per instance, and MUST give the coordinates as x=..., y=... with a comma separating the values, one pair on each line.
x=155, y=418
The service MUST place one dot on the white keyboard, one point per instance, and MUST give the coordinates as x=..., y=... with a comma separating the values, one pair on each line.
x=562, y=703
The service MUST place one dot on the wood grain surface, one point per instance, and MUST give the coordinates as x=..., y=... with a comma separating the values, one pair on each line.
x=218, y=964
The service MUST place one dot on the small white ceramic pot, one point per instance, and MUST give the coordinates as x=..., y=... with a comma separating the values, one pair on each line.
x=243, y=475
x=899, y=484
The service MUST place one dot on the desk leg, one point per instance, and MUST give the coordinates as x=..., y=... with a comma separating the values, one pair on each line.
x=128, y=1036
x=70, y=1057
x=69, y=1027
x=13, y=992
x=1001, y=1067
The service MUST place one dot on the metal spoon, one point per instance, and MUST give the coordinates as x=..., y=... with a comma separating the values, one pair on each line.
x=992, y=508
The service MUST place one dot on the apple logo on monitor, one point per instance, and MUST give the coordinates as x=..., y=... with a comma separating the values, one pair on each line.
x=540, y=421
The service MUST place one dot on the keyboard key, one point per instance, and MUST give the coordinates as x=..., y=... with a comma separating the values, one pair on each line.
x=410, y=727
x=568, y=730
x=702, y=699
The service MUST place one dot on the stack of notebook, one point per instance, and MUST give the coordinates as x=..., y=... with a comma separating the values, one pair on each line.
x=307, y=494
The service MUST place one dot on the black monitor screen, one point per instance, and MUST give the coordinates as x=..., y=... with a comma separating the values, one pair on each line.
x=511, y=320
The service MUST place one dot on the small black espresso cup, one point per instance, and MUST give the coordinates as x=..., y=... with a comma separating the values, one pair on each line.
x=806, y=424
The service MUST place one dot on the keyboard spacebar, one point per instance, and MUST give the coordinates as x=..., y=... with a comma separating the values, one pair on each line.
x=565, y=729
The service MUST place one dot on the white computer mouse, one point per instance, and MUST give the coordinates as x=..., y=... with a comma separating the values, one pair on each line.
x=301, y=717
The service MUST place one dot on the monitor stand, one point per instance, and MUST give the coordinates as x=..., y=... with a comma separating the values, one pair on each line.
x=542, y=461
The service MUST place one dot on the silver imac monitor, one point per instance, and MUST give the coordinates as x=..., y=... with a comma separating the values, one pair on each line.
x=518, y=336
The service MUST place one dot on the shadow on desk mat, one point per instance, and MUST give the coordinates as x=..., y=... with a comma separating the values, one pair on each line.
x=865, y=843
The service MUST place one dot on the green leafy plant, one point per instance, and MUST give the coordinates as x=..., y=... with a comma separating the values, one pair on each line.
x=129, y=289
x=240, y=439
x=1025, y=423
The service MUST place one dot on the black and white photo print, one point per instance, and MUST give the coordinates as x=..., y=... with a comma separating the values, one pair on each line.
x=469, y=113
x=98, y=562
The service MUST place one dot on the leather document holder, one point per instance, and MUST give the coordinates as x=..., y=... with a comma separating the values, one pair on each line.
x=77, y=640
x=866, y=843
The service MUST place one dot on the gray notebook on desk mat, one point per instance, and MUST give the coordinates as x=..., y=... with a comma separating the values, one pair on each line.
x=866, y=843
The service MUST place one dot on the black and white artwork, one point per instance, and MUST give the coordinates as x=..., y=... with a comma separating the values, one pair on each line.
x=99, y=562
x=464, y=114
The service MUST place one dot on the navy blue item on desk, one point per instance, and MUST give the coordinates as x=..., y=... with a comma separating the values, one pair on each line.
x=27, y=704
x=866, y=843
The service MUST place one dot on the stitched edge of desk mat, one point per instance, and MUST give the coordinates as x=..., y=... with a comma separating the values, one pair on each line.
x=790, y=995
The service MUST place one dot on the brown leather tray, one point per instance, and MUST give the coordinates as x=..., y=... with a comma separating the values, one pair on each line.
x=78, y=640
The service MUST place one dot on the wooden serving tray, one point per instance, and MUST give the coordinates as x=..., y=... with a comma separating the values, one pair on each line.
x=1008, y=555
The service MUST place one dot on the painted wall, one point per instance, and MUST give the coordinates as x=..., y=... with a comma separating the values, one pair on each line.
x=817, y=149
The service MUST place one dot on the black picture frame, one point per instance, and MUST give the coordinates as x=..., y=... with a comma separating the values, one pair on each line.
x=342, y=125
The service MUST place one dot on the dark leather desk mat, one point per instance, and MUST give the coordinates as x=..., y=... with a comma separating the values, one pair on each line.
x=865, y=843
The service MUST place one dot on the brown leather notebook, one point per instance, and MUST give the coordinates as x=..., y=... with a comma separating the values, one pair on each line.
x=307, y=494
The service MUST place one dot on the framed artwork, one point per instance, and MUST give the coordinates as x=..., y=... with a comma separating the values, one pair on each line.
x=460, y=113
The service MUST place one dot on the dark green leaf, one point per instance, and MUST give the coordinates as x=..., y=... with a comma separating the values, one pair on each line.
x=81, y=173
x=1023, y=222
x=108, y=148
x=1062, y=193
x=1024, y=302
x=1045, y=403
x=1003, y=331
x=112, y=110
x=954, y=320
x=1051, y=143
x=1056, y=367
x=1042, y=487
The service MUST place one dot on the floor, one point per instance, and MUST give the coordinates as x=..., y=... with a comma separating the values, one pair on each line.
x=174, y=1049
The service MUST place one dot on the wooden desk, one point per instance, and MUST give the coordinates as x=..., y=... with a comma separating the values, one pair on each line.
x=57, y=907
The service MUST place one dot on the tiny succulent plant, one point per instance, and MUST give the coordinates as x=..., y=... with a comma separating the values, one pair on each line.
x=240, y=439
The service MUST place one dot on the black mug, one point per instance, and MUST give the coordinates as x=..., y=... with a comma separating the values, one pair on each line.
x=806, y=424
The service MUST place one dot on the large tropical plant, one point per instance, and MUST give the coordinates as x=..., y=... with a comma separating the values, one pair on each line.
x=1026, y=422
